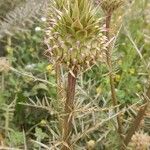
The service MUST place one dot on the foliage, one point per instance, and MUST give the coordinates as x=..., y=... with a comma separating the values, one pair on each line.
x=30, y=112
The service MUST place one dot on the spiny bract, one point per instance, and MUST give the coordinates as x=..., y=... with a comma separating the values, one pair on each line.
x=110, y=5
x=75, y=36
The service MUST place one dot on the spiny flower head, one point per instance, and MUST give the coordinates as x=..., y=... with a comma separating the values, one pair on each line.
x=140, y=141
x=74, y=36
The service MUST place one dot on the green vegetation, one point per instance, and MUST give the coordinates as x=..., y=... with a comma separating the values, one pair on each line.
x=74, y=75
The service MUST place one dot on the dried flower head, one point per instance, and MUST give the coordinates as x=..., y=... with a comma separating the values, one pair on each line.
x=140, y=141
x=74, y=37
x=110, y=5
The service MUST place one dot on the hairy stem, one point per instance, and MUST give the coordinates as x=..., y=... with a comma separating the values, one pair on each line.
x=69, y=106
x=111, y=75
x=59, y=82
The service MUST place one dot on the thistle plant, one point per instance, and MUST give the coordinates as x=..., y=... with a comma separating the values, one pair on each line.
x=109, y=6
x=76, y=41
x=75, y=38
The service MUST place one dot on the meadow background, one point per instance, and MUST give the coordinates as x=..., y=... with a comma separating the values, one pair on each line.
x=30, y=111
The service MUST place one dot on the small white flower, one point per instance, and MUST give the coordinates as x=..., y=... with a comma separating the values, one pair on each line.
x=43, y=19
x=30, y=66
x=37, y=29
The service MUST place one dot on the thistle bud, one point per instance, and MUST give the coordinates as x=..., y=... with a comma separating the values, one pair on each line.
x=140, y=141
x=110, y=5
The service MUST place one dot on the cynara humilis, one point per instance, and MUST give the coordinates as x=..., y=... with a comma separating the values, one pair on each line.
x=75, y=40
x=74, y=35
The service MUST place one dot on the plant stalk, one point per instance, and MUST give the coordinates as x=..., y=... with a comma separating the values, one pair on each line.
x=60, y=94
x=69, y=106
x=111, y=75
x=135, y=124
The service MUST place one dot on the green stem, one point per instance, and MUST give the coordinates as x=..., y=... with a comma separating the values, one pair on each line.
x=111, y=74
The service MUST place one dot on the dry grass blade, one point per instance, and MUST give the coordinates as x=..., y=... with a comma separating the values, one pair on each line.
x=41, y=144
x=135, y=46
x=42, y=104
x=31, y=76
x=136, y=122
x=16, y=20
x=8, y=148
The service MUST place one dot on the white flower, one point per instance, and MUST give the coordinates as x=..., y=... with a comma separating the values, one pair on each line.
x=30, y=66
x=37, y=29
x=43, y=19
